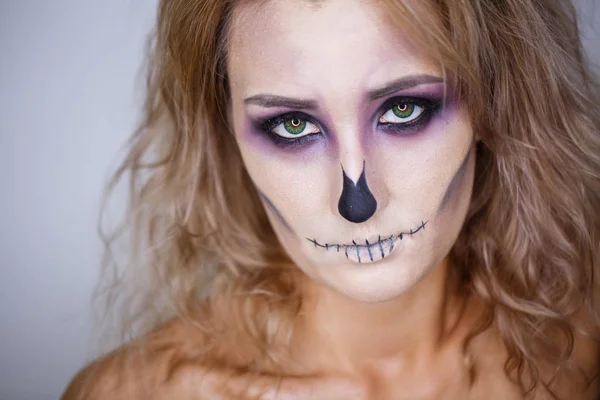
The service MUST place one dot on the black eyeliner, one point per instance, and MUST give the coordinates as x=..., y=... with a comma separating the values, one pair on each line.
x=286, y=143
x=271, y=123
x=430, y=108
x=266, y=127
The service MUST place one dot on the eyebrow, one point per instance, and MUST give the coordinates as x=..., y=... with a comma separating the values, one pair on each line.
x=269, y=101
x=406, y=82
x=403, y=83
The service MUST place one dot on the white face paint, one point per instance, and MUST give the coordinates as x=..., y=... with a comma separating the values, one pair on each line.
x=359, y=98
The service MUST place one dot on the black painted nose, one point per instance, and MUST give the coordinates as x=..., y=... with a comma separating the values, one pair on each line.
x=357, y=203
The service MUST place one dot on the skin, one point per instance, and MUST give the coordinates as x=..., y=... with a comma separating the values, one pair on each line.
x=423, y=174
x=394, y=324
x=387, y=328
x=420, y=176
x=409, y=174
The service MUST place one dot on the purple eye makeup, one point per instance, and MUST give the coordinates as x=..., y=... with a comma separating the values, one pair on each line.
x=399, y=115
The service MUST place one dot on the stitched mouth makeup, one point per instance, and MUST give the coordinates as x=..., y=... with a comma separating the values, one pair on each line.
x=369, y=252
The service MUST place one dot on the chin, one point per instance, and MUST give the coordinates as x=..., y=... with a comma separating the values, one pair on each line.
x=379, y=281
x=385, y=284
x=380, y=270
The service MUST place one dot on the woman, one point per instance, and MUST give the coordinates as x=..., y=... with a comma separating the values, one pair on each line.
x=349, y=199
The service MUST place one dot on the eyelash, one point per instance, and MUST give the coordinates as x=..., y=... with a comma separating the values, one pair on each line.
x=270, y=124
x=430, y=107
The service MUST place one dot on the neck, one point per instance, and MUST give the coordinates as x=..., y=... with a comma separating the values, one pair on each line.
x=352, y=335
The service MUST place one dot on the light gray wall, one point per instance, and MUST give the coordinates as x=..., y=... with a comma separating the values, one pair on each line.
x=67, y=103
x=67, y=73
x=589, y=16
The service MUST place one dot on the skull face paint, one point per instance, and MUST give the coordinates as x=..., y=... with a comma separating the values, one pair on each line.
x=307, y=99
x=371, y=252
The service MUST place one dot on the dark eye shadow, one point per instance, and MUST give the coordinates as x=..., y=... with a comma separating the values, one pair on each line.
x=430, y=108
x=268, y=124
x=265, y=128
x=288, y=144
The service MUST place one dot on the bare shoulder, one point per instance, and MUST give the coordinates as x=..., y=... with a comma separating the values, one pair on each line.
x=578, y=378
x=578, y=382
x=171, y=363
x=585, y=358
x=145, y=368
x=177, y=360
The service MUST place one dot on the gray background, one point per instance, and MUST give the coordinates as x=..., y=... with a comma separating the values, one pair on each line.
x=68, y=100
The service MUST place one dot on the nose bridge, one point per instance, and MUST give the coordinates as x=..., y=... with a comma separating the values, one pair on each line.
x=351, y=151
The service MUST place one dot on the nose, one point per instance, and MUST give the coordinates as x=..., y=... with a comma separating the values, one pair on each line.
x=357, y=204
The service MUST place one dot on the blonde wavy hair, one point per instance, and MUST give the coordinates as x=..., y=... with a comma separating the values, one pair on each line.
x=529, y=247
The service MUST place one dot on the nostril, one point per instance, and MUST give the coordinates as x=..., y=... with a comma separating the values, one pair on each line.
x=357, y=203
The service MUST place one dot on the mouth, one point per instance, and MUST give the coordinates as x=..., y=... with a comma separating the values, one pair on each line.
x=369, y=252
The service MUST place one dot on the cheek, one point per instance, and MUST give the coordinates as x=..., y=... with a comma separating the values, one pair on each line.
x=295, y=184
x=265, y=143
x=425, y=167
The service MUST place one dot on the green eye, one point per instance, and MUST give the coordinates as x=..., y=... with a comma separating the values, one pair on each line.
x=402, y=113
x=403, y=110
x=294, y=126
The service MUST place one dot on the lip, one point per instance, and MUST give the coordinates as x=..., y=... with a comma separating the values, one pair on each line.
x=369, y=252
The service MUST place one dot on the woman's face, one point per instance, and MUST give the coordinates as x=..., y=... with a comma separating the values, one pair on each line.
x=363, y=160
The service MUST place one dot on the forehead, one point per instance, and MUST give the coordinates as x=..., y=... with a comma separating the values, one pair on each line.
x=339, y=45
